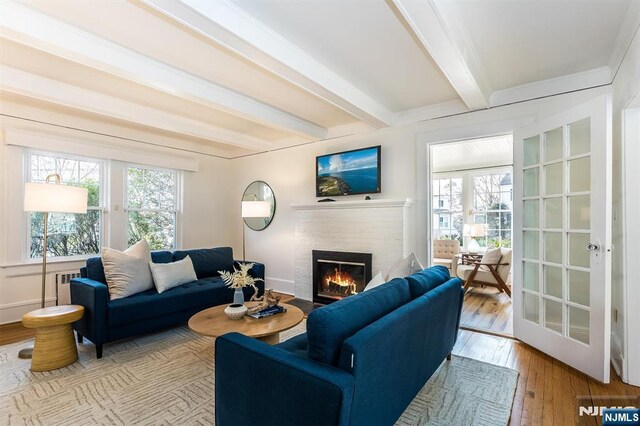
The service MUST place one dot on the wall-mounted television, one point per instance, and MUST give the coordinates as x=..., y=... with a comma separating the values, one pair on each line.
x=348, y=172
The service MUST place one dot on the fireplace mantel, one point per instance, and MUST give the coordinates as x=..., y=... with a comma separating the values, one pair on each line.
x=351, y=204
x=383, y=227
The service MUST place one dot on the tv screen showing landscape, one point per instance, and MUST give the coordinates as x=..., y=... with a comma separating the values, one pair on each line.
x=348, y=173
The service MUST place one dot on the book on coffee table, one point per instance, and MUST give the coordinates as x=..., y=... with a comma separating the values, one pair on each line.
x=268, y=311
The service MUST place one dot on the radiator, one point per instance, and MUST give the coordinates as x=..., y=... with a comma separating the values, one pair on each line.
x=63, y=281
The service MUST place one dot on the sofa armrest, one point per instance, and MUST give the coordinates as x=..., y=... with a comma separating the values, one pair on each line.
x=278, y=386
x=94, y=296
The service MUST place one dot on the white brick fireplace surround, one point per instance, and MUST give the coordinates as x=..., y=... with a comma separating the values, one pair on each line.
x=384, y=228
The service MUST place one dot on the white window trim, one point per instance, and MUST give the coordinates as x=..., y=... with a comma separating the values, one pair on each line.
x=467, y=191
x=178, y=177
x=26, y=255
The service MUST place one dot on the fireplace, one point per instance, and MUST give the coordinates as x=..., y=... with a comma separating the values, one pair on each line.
x=337, y=275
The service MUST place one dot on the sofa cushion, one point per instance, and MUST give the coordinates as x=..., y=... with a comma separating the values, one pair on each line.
x=207, y=262
x=427, y=279
x=127, y=271
x=151, y=304
x=298, y=345
x=95, y=269
x=330, y=325
x=173, y=274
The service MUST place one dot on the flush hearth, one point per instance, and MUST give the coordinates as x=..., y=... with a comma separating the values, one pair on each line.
x=337, y=275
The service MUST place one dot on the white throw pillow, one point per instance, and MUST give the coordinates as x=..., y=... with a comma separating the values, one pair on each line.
x=169, y=275
x=491, y=256
x=375, y=282
x=404, y=267
x=127, y=272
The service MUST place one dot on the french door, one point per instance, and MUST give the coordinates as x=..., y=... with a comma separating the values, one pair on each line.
x=562, y=228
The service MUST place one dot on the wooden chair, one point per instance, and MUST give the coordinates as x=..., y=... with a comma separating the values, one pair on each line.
x=485, y=274
x=444, y=252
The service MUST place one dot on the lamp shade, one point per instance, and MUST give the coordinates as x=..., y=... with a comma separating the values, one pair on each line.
x=54, y=198
x=256, y=209
x=474, y=230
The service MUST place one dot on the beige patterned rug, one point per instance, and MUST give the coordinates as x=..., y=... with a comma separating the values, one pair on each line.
x=166, y=378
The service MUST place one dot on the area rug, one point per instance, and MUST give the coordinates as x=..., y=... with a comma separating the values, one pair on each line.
x=167, y=378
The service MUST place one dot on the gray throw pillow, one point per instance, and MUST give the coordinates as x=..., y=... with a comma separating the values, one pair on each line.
x=491, y=257
x=404, y=267
x=173, y=274
x=127, y=272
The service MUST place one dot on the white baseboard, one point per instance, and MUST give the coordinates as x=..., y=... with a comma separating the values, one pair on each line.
x=280, y=285
x=13, y=312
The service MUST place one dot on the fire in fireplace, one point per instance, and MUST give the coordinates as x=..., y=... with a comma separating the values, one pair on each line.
x=339, y=274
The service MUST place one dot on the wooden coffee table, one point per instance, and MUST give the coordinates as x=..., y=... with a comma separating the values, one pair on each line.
x=214, y=322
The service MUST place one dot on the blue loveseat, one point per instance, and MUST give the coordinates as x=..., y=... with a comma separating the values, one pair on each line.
x=107, y=320
x=361, y=362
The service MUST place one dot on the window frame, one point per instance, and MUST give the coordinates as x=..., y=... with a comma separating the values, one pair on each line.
x=102, y=204
x=177, y=196
x=471, y=199
x=447, y=176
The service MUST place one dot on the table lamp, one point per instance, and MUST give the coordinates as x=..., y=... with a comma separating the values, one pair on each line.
x=51, y=198
x=253, y=209
x=473, y=230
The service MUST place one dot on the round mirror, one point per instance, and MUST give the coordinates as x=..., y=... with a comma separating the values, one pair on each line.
x=258, y=205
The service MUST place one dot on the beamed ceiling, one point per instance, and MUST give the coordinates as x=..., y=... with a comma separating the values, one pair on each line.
x=245, y=76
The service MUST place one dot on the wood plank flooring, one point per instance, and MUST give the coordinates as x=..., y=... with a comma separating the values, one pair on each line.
x=487, y=309
x=548, y=392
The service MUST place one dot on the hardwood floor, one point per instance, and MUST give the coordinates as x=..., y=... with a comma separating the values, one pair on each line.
x=15, y=332
x=548, y=392
x=487, y=309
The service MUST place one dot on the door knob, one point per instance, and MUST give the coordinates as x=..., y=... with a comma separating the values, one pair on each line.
x=593, y=247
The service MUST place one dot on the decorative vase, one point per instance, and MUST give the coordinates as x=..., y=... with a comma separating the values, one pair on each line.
x=235, y=311
x=238, y=297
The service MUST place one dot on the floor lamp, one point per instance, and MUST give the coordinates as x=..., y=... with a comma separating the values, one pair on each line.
x=51, y=198
x=253, y=209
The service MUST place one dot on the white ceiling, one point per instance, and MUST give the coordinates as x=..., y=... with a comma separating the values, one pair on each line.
x=364, y=42
x=473, y=154
x=256, y=75
x=519, y=42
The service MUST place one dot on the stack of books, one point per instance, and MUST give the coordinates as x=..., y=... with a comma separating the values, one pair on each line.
x=268, y=311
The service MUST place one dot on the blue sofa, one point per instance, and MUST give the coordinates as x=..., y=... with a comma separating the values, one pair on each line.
x=107, y=320
x=361, y=362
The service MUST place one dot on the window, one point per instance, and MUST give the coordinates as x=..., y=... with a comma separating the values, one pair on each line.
x=68, y=234
x=152, y=206
x=448, y=211
x=492, y=205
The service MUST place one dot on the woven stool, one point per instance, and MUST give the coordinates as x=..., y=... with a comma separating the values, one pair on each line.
x=55, y=346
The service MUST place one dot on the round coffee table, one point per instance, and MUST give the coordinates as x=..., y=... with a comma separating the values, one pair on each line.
x=214, y=322
x=54, y=346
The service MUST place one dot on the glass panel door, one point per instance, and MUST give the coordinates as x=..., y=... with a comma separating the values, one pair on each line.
x=562, y=218
x=554, y=239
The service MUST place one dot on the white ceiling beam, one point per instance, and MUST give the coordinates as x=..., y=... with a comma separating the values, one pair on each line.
x=229, y=26
x=23, y=83
x=423, y=20
x=39, y=31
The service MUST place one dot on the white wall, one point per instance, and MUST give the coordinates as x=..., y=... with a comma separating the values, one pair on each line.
x=205, y=214
x=625, y=343
x=291, y=175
